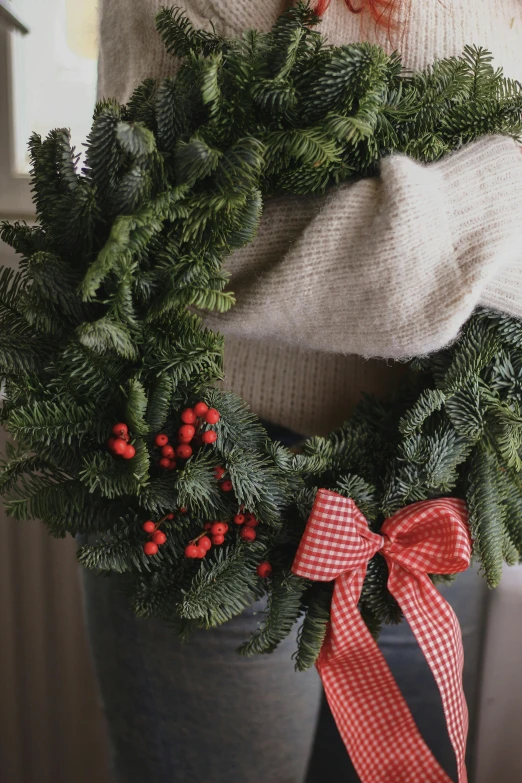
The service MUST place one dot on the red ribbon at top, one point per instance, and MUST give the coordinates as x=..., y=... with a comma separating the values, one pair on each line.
x=431, y=537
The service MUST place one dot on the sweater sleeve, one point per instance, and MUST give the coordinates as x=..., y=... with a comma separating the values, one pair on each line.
x=386, y=267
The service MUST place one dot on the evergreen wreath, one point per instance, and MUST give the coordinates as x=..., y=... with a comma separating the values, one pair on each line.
x=102, y=335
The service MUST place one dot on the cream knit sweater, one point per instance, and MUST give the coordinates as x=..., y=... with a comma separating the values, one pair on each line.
x=389, y=267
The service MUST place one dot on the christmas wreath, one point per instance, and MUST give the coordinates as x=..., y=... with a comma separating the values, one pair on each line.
x=119, y=428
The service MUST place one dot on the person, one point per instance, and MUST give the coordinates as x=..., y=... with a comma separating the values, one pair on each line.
x=334, y=293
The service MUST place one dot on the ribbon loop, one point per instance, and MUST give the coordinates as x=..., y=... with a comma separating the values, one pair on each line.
x=371, y=714
x=431, y=537
x=332, y=543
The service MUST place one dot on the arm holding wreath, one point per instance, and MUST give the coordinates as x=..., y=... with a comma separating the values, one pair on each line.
x=391, y=266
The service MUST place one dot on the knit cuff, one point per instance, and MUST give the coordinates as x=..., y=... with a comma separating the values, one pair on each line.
x=483, y=187
x=504, y=291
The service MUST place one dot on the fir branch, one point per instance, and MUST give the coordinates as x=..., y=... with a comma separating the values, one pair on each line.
x=54, y=498
x=17, y=463
x=113, y=556
x=283, y=609
x=107, y=335
x=196, y=485
x=429, y=401
x=141, y=104
x=486, y=514
x=159, y=402
x=179, y=36
x=115, y=478
x=171, y=112
x=224, y=586
x=315, y=624
x=136, y=407
x=62, y=421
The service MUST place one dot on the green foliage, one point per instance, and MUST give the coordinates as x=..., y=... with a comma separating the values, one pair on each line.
x=283, y=609
x=181, y=38
x=313, y=630
x=102, y=323
x=223, y=587
x=486, y=514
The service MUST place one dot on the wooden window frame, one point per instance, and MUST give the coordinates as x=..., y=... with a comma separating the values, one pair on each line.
x=15, y=188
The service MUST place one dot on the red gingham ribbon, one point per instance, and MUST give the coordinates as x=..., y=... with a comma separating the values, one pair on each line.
x=431, y=537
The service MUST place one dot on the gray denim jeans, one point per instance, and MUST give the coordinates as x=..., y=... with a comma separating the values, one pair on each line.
x=199, y=713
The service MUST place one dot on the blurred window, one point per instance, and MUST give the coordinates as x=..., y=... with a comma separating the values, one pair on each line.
x=54, y=71
x=48, y=80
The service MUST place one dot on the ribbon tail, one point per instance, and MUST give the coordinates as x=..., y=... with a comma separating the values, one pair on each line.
x=437, y=630
x=372, y=716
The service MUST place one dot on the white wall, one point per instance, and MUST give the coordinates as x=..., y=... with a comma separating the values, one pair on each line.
x=499, y=757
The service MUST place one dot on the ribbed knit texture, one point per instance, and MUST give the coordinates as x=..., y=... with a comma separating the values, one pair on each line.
x=390, y=267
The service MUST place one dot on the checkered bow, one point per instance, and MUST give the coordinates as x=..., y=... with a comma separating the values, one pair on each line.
x=372, y=716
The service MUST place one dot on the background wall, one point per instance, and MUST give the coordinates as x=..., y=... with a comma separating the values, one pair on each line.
x=499, y=746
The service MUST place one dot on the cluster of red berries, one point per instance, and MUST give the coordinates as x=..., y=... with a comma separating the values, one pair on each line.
x=214, y=532
x=199, y=547
x=264, y=569
x=192, y=418
x=157, y=537
x=119, y=444
x=225, y=484
x=248, y=522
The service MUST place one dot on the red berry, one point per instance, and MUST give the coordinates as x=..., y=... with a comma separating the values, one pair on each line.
x=200, y=408
x=226, y=485
x=251, y=520
x=209, y=437
x=129, y=452
x=150, y=548
x=201, y=552
x=170, y=516
x=164, y=462
x=226, y=526
x=217, y=540
x=149, y=526
x=167, y=451
x=191, y=551
x=218, y=529
x=183, y=510
x=207, y=525
x=111, y=442
x=212, y=416
x=119, y=446
x=184, y=451
x=205, y=542
x=161, y=440
x=264, y=569
x=247, y=533
x=239, y=519
x=186, y=432
x=159, y=537
x=188, y=416
x=219, y=472
x=172, y=464
x=120, y=429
